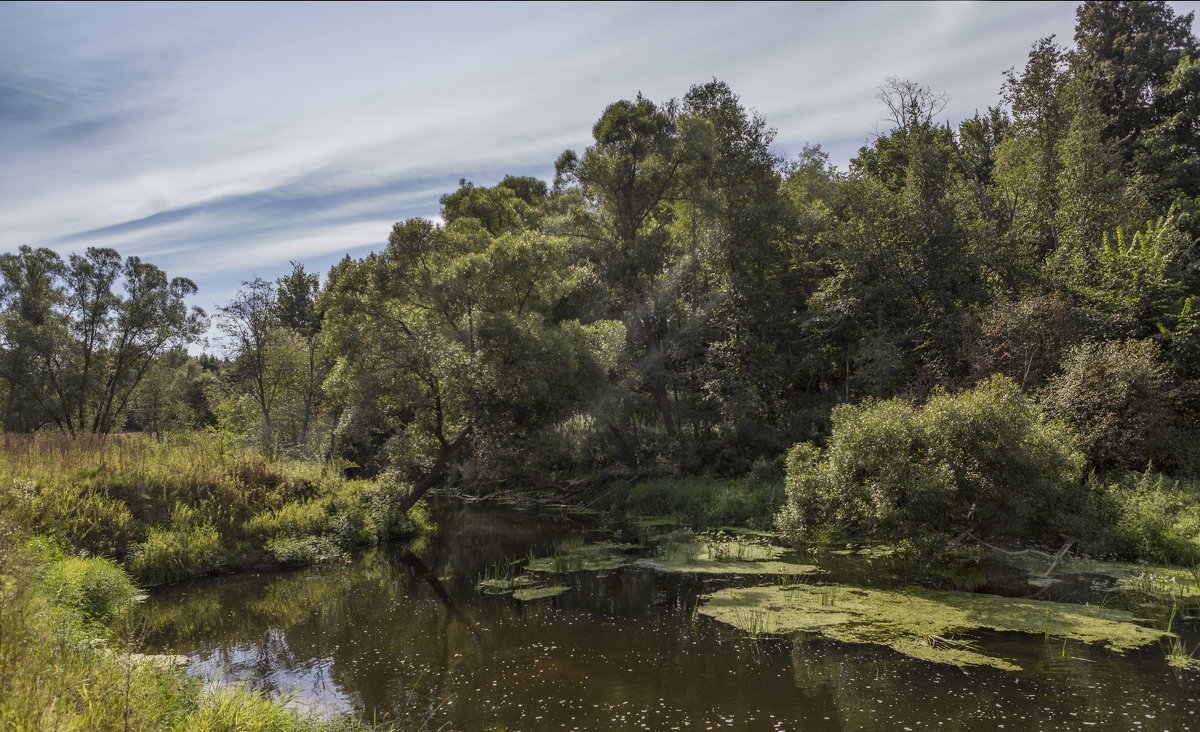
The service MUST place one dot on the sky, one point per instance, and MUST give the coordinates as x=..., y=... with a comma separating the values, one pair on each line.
x=221, y=141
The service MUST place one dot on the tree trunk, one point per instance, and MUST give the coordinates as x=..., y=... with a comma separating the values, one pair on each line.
x=445, y=452
x=628, y=454
x=657, y=371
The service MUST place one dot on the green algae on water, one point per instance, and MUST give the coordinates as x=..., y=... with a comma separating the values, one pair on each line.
x=918, y=622
x=503, y=586
x=538, y=593
x=1148, y=579
x=599, y=557
x=727, y=556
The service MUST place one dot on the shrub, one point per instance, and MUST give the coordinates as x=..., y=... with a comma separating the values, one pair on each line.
x=985, y=458
x=1145, y=517
x=173, y=554
x=301, y=551
x=92, y=588
x=702, y=501
x=1114, y=395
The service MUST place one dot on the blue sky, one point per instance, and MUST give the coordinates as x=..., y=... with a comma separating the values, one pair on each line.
x=220, y=141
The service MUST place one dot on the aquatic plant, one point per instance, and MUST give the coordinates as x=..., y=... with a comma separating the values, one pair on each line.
x=538, y=593
x=726, y=556
x=906, y=619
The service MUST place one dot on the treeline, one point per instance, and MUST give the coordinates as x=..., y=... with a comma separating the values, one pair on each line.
x=682, y=299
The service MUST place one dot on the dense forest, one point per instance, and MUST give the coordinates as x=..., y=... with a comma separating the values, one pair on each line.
x=977, y=316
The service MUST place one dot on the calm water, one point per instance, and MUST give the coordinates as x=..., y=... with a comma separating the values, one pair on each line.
x=403, y=635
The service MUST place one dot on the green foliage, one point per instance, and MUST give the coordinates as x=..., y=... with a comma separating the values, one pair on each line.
x=984, y=458
x=1144, y=517
x=1135, y=287
x=170, y=555
x=1114, y=396
x=700, y=502
x=55, y=675
x=76, y=343
x=187, y=505
x=301, y=551
x=93, y=588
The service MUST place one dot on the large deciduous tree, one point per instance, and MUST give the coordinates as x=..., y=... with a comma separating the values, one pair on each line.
x=79, y=335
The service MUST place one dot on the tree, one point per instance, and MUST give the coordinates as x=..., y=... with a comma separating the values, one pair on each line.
x=76, y=347
x=1028, y=164
x=297, y=310
x=444, y=344
x=1126, y=51
x=249, y=322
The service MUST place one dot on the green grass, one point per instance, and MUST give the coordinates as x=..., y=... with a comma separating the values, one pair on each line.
x=62, y=668
x=189, y=505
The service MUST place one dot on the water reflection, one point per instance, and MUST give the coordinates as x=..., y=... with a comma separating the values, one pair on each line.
x=402, y=634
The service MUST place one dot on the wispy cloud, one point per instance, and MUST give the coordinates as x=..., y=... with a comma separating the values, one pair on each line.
x=221, y=141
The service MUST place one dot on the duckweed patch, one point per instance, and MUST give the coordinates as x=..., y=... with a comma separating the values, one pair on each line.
x=1170, y=582
x=1155, y=581
x=919, y=622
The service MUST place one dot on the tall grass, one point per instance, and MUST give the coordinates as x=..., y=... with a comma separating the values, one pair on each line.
x=186, y=505
x=61, y=668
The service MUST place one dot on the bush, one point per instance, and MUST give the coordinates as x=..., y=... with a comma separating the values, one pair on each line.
x=1114, y=395
x=302, y=551
x=986, y=458
x=170, y=555
x=93, y=588
x=701, y=502
x=1144, y=517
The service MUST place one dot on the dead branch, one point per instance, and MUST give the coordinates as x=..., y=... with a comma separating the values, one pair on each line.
x=1053, y=558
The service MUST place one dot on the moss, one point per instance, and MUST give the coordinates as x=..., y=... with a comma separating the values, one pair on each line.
x=918, y=622
x=538, y=593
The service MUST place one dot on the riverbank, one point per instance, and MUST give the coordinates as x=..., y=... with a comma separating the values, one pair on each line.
x=63, y=663
x=86, y=522
x=190, y=505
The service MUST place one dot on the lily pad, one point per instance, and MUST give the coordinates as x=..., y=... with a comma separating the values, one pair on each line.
x=919, y=622
x=538, y=593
